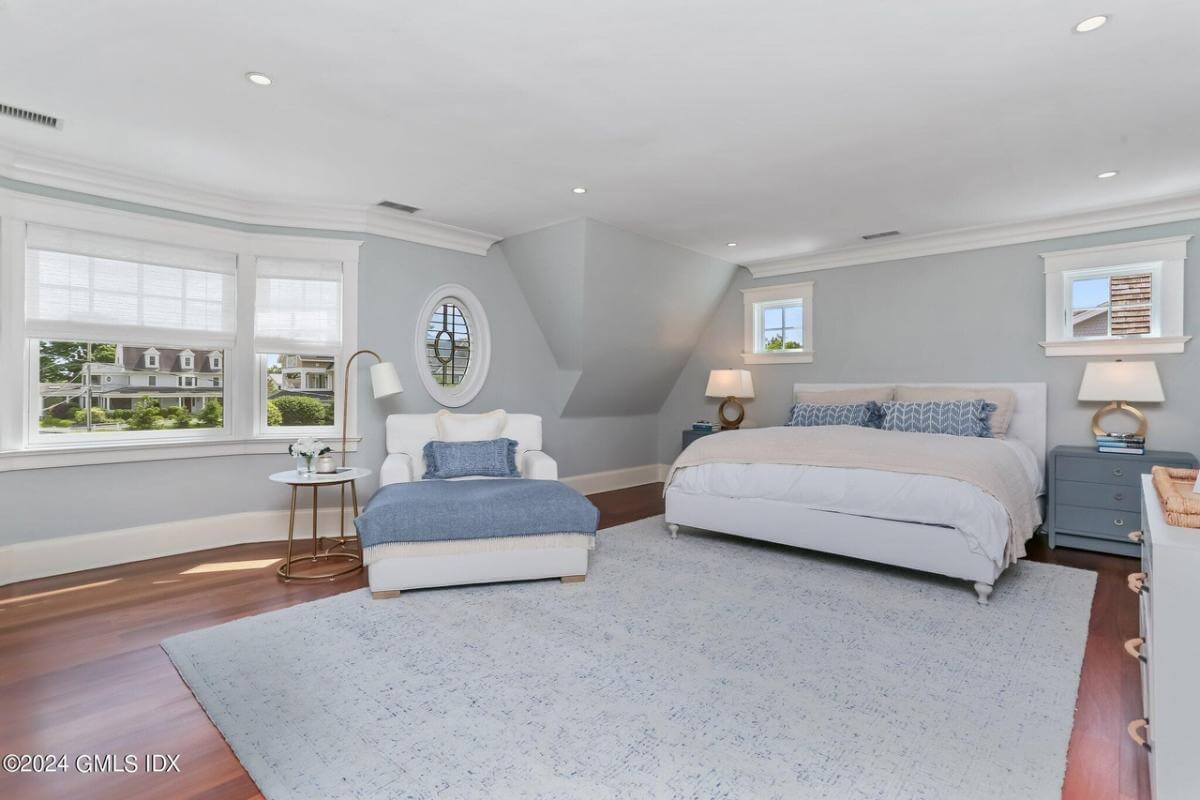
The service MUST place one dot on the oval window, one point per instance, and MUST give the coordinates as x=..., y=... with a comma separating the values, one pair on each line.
x=452, y=345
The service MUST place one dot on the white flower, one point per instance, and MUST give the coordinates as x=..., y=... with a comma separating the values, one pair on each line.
x=307, y=446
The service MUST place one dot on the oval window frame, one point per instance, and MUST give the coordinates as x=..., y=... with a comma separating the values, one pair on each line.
x=481, y=346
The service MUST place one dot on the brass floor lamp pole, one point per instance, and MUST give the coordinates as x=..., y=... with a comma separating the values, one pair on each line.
x=346, y=398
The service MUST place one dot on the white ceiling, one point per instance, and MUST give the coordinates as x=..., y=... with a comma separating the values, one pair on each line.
x=789, y=127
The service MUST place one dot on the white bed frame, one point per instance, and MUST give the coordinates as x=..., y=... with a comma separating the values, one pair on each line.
x=930, y=548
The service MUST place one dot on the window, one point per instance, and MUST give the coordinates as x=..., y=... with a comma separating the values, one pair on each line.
x=123, y=406
x=778, y=324
x=298, y=333
x=453, y=345
x=1116, y=299
x=114, y=340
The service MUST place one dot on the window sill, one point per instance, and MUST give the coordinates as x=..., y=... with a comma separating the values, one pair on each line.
x=76, y=455
x=1149, y=345
x=795, y=357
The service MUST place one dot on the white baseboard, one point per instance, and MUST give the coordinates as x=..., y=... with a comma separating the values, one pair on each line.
x=617, y=478
x=25, y=561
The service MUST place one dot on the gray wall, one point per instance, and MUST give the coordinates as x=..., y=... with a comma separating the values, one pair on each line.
x=623, y=311
x=972, y=316
x=394, y=280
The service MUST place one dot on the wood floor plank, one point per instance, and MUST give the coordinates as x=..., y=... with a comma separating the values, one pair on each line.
x=81, y=670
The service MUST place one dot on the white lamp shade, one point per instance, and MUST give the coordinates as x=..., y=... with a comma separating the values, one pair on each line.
x=730, y=383
x=1131, y=381
x=384, y=380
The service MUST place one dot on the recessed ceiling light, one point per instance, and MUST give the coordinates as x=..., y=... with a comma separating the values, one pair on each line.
x=258, y=79
x=1091, y=23
x=1112, y=173
x=731, y=244
x=580, y=190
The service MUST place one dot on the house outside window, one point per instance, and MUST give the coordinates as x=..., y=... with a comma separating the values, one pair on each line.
x=1122, y=299
x=778, y=324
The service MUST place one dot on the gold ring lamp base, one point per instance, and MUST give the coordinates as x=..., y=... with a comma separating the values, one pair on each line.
x=1123, y=407
x=731, y=424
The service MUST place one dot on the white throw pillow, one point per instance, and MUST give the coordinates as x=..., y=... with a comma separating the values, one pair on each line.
x=470, y=427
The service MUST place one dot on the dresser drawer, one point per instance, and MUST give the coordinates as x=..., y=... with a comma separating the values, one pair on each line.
x=1098, y=495
x=1096, y=470
x=1103, y=522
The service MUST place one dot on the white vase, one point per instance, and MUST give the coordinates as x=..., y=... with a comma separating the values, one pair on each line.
x=326, y=465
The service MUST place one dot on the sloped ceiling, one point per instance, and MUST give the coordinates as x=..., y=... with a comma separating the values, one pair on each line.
x=620, y=311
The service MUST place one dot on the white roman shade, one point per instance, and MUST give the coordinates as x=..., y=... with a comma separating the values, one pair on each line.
x=89, y=286
x=298, y=306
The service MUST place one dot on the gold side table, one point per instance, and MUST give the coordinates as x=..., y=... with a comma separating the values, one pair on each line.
x=335, y=552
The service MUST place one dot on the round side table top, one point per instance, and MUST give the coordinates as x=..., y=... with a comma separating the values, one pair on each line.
x=343, y=475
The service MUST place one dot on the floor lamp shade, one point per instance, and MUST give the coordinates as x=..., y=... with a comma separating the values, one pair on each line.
x=384, y=380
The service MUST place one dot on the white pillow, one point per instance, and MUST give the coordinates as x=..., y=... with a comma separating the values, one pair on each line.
x=470, y=427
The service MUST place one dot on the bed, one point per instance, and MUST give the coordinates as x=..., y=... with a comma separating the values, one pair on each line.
x=936, y=523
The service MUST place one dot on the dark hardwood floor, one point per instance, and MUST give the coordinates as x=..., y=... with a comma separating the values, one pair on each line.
x=81, y=671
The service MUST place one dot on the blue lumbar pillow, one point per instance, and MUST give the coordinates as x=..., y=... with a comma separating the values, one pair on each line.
x=808, y=415
x=955, y=417
x=495, y=458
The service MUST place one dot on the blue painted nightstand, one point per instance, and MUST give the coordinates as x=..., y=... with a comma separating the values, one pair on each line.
x=690, y=436
x=1095, y=499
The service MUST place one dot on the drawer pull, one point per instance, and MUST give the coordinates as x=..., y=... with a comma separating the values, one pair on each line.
x=1132, y=730
x=1119, y=496
x=1134, y=648
x=1136, y=537
x=1118, y=473
x=1119, y=522
x=1137, y=583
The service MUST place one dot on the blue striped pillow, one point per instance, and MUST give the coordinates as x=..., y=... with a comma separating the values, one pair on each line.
x=809, y=415
x=953, y=417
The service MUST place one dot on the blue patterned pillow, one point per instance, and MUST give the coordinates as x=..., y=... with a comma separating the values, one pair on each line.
x=808, y=415
x=954, y=417
x=495, y=458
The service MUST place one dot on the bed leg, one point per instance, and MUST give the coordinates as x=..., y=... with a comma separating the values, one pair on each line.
x=674, y=529
x=386, y=594
x=983, y=590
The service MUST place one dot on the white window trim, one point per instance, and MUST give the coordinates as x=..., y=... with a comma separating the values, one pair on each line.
x=753, y=300
x=481, y=346
x=240, y=435
x=1166, y=257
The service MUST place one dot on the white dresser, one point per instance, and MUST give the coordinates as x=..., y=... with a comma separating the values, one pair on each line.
x=1168, y=590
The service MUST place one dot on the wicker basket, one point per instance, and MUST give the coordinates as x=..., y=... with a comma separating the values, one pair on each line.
x=1180, y=504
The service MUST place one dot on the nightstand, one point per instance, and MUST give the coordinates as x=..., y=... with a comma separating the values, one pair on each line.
x=690, y=436
x=1095, y=500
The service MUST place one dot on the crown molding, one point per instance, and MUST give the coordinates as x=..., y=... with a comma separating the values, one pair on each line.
x=128, y=187
x=1154, y=212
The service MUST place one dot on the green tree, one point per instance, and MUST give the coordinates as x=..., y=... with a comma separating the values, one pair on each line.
x=63, y=361
x=213, y=415
x=300, y=410
x=147, y=415
x=274, y=415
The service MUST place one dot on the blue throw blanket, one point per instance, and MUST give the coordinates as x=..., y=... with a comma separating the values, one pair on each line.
x=436, y=511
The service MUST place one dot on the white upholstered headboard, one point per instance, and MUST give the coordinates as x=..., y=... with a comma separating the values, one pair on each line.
x=1029, y=418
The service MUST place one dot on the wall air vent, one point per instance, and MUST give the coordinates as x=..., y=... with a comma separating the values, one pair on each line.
x=880, y=235
x=30, y=116
x=398, y=207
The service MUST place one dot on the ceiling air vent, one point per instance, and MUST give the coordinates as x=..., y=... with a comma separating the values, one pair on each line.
x=30, y=116
x=398, y=207
x=880, y=235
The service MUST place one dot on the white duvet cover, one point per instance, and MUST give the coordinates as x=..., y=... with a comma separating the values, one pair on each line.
x=873, y=493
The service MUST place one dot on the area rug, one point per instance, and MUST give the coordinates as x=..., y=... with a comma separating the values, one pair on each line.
x=705, y=667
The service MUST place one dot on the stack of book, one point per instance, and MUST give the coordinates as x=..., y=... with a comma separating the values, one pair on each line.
x=1129, y=443
x=706, y=426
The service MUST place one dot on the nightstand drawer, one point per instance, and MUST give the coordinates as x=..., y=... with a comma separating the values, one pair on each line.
x=1097, y=470
x=1098, y=495
x=1097, y=521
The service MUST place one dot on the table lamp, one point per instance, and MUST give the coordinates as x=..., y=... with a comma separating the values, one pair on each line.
x=1118, y=382
x=730, y=384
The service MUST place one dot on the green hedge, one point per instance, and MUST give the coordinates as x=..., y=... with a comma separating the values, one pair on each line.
x=300, y=410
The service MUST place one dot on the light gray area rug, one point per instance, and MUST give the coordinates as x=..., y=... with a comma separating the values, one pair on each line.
x=707, y=667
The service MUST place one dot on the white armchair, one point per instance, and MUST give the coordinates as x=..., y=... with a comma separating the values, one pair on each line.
x=407, y=435
x=416, y=565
